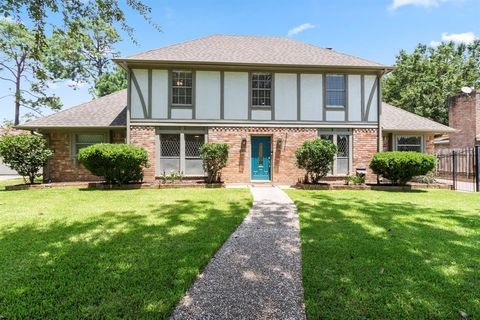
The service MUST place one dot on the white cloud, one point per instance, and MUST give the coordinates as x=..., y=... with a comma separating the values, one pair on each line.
x=300, y=28
x=466, y=37
x=419, y=3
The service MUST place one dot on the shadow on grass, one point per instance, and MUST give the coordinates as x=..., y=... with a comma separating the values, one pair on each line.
x=388, y=260
x=115, y=265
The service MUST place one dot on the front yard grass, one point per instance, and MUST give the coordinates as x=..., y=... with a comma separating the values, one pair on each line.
x=390, y=255
x=69, y=253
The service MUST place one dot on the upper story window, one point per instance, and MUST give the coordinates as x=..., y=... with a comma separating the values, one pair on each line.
x=182, y=84
x=335, y=90
x=261, y=89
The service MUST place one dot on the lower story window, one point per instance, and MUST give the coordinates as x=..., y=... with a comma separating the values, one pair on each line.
x=181, y=153
x=409, y=143
x=83, y=140
x=341, y=163
x=169, y=152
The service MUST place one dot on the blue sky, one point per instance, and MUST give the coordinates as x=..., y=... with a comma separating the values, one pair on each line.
x=371, y=29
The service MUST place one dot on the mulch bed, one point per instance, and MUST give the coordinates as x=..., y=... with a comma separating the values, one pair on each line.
x=104, y=186
x=378, y=187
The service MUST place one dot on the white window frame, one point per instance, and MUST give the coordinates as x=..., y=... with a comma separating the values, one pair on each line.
x=421, y=136
x=335, y=133
x=182, y=131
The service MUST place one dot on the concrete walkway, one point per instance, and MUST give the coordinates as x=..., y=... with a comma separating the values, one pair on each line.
x=257, y=272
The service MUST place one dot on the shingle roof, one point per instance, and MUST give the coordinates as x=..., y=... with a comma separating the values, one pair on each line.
x=107, y=111
x=396, y=119
x=235, y=49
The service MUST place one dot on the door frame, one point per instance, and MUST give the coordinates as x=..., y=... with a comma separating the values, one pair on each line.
x=271, y=156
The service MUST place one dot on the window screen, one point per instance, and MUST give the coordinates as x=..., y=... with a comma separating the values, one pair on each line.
x=182, y=84
x=335, y=90
x=169, y=153
x=193, y=163
x=409, y=143
x=261, y=89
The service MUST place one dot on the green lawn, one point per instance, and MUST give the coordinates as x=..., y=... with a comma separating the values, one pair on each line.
x=69, y=253
x=389, y=255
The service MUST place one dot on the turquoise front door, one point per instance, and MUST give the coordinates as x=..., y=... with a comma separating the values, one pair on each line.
x=261, y=149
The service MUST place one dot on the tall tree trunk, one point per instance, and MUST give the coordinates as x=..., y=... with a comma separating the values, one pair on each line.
x=17, y=100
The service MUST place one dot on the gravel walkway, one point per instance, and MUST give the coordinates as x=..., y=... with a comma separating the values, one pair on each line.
x=257, y=272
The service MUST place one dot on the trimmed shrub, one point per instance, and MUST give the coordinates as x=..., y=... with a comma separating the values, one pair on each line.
x=400, y=167
x=214, y=156
x=25, y=153
x=316, y=157
x=116, y=163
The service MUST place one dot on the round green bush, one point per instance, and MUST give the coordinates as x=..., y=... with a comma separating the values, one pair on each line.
x=316, y=157
x=400, y=167
x=116, y=163
x=25, y=153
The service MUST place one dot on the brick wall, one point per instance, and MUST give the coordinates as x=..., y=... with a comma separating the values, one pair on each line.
x=62, y=166
x=364, y=146
x=464, y=115
x=285, y=142
x=429, y=146
x=144, y=136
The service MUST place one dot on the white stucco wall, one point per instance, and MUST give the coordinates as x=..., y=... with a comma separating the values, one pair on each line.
x=285, y=96
x=159, y=94
x=311, y=97
x=207, y=100
x=236, y=95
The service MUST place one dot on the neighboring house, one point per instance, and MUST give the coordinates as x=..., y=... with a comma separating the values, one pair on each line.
x=464, y=116
x=263, y=96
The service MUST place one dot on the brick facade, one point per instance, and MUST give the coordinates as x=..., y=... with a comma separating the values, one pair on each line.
x=285, y=142
x=144, y=136
x=364, y=147
x=62, y=166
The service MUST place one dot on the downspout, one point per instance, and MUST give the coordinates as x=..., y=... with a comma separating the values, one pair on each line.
x=129, y=99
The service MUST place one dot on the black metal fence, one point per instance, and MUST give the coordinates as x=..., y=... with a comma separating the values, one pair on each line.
x=460, y=168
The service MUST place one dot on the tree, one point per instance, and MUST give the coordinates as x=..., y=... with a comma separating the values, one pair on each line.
x=86, y=55
x=70, y=12
x=423, y=81
x=28, y=76
x=316, y=157
x=110, y=82
x=25, y=153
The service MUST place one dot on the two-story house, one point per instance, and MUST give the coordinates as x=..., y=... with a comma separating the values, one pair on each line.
x=263, y=96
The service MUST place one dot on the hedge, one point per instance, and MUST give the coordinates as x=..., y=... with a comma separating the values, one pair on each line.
x=116, y=163
x=400, y=167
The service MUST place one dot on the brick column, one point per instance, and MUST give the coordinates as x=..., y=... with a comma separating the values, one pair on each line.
x=144, y=136
x=429, y=146
x=364, y=146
